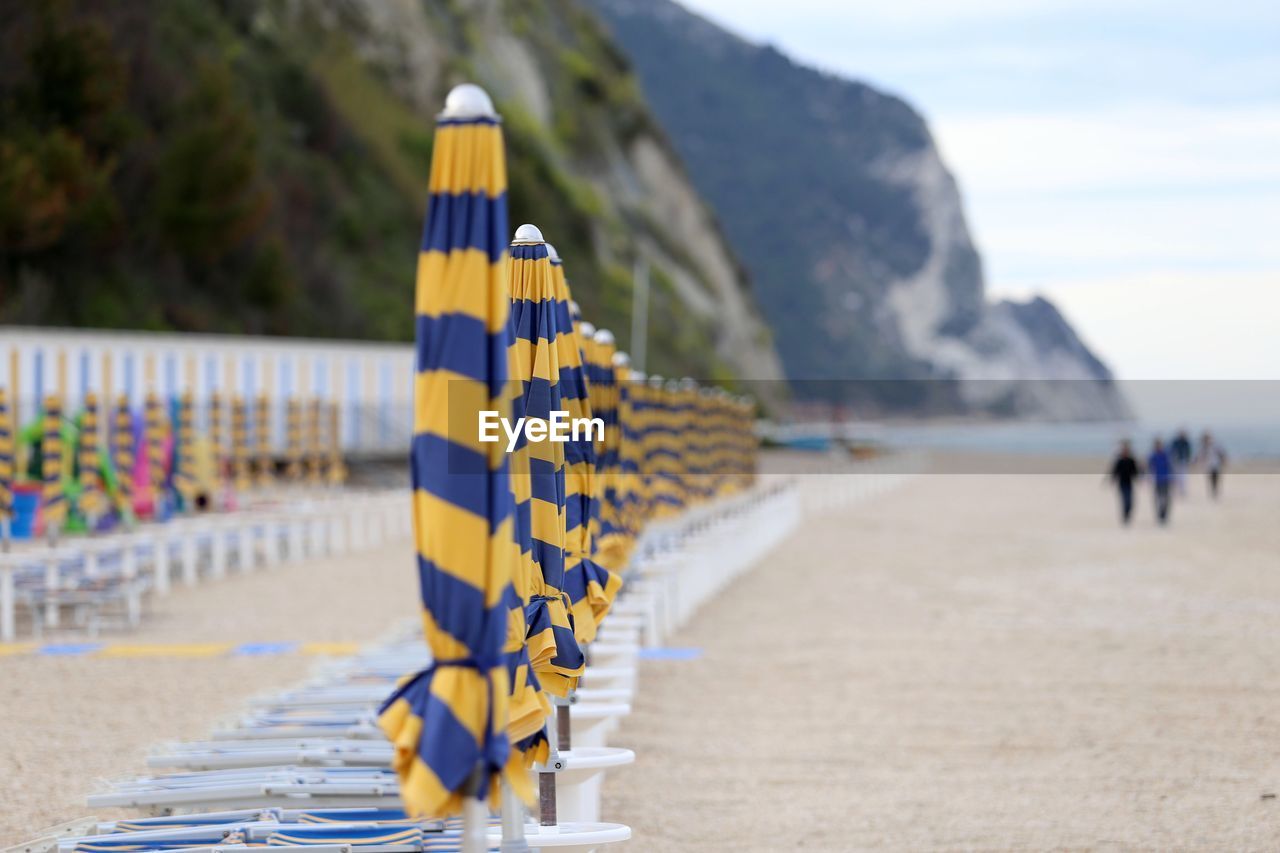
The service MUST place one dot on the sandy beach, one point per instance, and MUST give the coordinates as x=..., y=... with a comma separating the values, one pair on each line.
x=978, y=663
x=966, y=662
x=67, y=722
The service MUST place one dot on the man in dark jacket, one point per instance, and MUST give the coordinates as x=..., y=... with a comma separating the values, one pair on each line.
x=1180, y=451
x=1160, y=467
x=1124, y=471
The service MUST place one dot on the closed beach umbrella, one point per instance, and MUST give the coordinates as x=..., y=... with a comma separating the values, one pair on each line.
x=314, y=447
x=538, y=473
x=336, y=468
x=241, y=444
x=265, y=464
x=615, y=540
x=156, y=426
x=591, y=587
x=603, y=389
x=122, y=455
x=184, y=468
x=6, y=466
x=53, y=494
x=92, y=501
x=294, y=439
x=448, y=723
x=218, y=434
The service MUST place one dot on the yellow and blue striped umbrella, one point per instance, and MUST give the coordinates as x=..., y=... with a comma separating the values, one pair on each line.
x=53, y=493
x=448, y=723
x=6, y=457
x=92, y=500
x=538, y=467
x=265, y=464
x=590, y=586
x=629, y=498
x=603, y=390
x=184, y=467
x=606, y=391
x=122, y=455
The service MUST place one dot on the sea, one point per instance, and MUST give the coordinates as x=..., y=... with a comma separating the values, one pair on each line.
x=1239, y=441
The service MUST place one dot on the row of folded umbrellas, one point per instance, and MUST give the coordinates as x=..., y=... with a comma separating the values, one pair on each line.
x=520, y=550
x=159, y=452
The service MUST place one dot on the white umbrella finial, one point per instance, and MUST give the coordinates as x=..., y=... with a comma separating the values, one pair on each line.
x=586, y=330
x=621, y=359
x=552, y=253
x=528, y=234
x=604, y=337
x=467, y=100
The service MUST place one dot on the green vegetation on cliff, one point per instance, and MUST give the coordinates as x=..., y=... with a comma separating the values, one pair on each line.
x=255, y=167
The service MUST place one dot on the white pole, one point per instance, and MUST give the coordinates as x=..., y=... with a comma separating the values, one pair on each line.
x=640, y=314
x=475, y=823
x=6, y=602
x=512, y=821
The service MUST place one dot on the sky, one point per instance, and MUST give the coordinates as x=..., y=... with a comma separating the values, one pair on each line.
x=1120, y=158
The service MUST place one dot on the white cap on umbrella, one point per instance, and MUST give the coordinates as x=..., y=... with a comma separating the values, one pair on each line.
x=528, y=234
x=468, y=101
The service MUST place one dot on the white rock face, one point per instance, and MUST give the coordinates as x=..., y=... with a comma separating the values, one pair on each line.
x=1024, y=353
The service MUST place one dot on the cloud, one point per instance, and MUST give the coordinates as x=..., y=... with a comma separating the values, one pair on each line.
x=1130, y=148
x=1172, y=324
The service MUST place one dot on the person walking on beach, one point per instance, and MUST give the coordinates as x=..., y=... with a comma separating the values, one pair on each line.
x=1213, y=458
x=1180, y=450
x=1124, y=472
x=1160, y=467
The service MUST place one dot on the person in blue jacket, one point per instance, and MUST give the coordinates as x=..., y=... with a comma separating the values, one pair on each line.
x=1160, y=469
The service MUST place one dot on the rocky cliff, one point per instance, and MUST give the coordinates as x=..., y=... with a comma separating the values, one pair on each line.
x=850, y=224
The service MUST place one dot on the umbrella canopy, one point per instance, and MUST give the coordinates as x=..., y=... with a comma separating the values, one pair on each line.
x=122, y=455
x=241, y=444
x=264, y=464
x=218, y=434
x=602, y=387
x=666, y=440
x=294, y=439
x=336, y=466
x=92, y=500
x=53, y=495
x=590, y=586
x=6, y=457
x=313, y=445
x=617, y=535
x=538, y=467
x=156, y=435
x=184, y=469
x=448, y=723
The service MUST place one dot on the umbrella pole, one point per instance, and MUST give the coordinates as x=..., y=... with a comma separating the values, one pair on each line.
x=512, y=821
x=564, y=739
x=475, y=817
x=547, y=779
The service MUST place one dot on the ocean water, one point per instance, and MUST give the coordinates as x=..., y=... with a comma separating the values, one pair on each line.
x=1239, y=441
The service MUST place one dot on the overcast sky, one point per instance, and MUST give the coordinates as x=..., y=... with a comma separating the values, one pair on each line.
x=1121, y=158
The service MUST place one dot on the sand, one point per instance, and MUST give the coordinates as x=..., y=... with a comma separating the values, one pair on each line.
x=68, y=722
x=978, y=663
x=967, y=662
